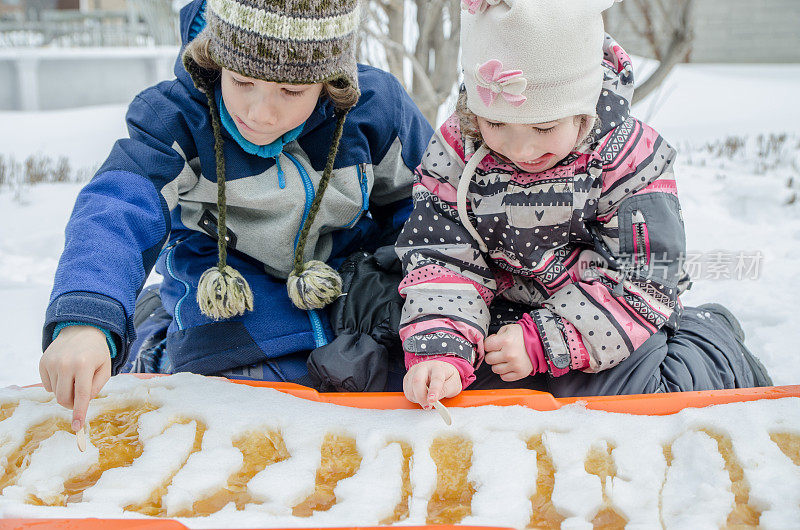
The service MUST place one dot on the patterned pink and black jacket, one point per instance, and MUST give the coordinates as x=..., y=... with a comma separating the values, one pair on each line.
x=593, y=246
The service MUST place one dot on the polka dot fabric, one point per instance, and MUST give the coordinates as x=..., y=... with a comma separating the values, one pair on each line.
x=552, y=240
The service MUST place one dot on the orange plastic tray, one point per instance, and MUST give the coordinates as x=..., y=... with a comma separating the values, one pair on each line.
x=647, y=404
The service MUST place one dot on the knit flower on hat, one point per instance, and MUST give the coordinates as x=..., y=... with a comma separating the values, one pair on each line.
x=478, y=6
x=493, y=81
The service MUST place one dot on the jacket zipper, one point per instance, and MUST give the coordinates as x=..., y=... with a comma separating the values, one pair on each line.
x=362, y=180
x=310, y=194
x=169, y=261
x=316, y=322
x=641, y=240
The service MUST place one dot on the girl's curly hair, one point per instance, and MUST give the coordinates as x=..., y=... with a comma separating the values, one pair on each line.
x=469, y=123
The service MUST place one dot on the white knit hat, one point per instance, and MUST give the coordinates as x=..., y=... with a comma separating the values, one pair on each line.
x=532, y=61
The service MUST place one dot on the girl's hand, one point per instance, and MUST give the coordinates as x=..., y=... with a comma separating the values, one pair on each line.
x=506, y=352
x=75, y=367
x=429, y=381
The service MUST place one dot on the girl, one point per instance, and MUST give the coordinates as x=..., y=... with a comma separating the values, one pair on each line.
x=273, y=155
x=546, y=235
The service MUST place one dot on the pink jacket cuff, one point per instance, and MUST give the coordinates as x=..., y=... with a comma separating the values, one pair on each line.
x=535, y=349
x=533, y=344
x=465, y=370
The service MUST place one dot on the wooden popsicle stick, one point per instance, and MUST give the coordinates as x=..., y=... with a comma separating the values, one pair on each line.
x=81, y=434
x=443, y=412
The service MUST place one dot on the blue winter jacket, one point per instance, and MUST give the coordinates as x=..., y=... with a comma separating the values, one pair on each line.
x=153, y=203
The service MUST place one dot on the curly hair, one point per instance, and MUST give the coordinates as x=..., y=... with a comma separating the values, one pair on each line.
x=341, y=93
x=470, y=129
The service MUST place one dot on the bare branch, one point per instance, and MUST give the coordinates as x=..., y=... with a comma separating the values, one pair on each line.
x=428, y=22
x=396, y=14
x=666, y=14
x=433, y=56
x=419, y=71
x=649, y=27
x=678, y=49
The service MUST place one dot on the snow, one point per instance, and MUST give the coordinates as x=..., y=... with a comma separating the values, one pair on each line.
x=48, y=469
x=163, y=455
x=709, y=102
x=696, y=504
x=84, y=135
x=495, y=479
x=734, y=195
x=694, y=491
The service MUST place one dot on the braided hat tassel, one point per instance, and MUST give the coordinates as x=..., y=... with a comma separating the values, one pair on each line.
x=314, y=284
x=222, y=291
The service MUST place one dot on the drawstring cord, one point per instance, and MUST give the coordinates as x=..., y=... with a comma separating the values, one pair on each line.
x=281, y=177
x=461, y=194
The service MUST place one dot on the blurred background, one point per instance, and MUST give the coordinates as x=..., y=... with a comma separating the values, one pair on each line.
x=57, y=54
x=719, y=79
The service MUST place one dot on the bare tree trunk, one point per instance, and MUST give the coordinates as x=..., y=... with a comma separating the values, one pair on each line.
x=396, y=12
x=680, y=46
x=668, y=28
x=433, y=56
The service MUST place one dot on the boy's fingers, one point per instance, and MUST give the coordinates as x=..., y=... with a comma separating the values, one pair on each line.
x=45, y=375
x=64, y=390
x=83, y=388
x=101, y=377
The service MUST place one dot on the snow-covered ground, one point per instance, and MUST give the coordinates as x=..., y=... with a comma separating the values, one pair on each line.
x=686, y=470
x=743, y=240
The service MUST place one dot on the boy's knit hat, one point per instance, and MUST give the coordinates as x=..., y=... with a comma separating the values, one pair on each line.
x=284, y=41
x=532, y=61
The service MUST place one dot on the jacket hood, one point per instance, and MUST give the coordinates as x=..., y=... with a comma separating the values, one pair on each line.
x=613, y=107
x=187, y=14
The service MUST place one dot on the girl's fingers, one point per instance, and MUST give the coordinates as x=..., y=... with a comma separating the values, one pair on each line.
x=511, y=376
x=495, y=357
x=419, y=386
x=452, y=386
x=407, y=387
x=502, y=368
x=426, y=384
x=492, y=343
x=421, y=394
x=435, y=386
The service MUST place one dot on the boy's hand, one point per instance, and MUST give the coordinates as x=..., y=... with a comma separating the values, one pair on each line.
x=429, y=381
x=506, y=352
x=75, y=367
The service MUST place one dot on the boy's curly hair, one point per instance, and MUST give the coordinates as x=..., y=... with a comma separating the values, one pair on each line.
x=469, y=123
x=340, y=93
